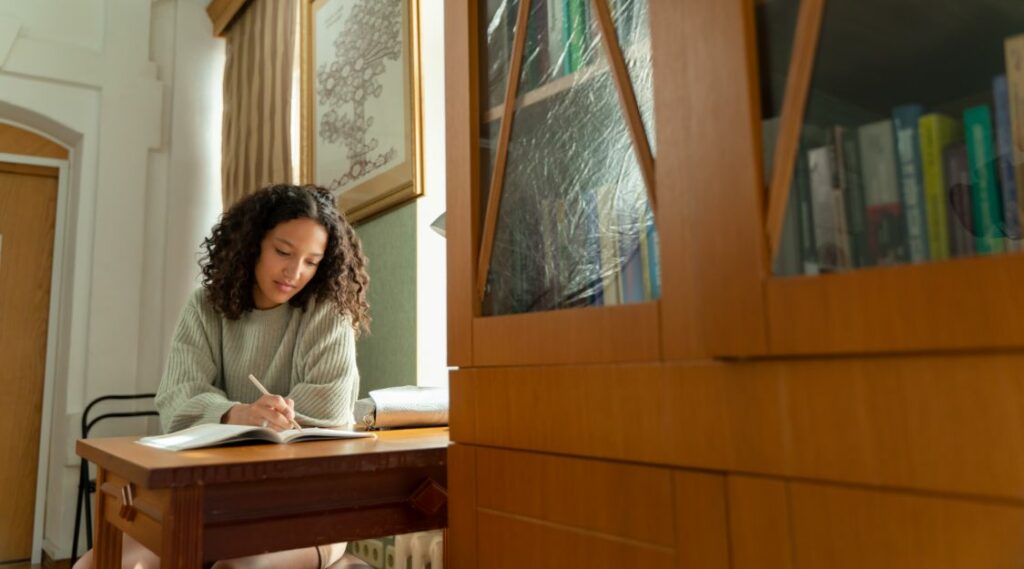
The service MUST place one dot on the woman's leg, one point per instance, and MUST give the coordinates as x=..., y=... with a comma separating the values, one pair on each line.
x=133, y=556
x=305, y=558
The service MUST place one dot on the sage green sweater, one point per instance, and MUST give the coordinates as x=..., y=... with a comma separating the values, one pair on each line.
x=309, y=356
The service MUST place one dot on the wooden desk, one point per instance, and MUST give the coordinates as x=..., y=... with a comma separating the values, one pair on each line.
x=199, y=506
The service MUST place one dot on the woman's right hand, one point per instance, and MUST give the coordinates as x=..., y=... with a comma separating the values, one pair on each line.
x=269, y=411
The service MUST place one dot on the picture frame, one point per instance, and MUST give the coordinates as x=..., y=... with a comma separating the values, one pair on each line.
x=359, y=67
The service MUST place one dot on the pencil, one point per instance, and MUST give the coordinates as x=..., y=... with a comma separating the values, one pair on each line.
x=264, y=391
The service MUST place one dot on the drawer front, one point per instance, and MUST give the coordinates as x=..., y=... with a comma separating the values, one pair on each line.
x=511, y=543
x=137, y=511
x=778, y=524
x=618, y=500
x=840, y=528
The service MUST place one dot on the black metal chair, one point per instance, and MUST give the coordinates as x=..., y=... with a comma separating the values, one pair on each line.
x=87, y=486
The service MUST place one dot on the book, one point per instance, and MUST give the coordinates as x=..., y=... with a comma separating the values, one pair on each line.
x=632, y=225
x=958, y=195
x=829, y=219
x=1008, y=181
x=986, y=203
x=908, y=151
x=576, y=34
x=810, y=136
x=535, y=58
x=1014, y=51
x=558, y=53
x=217, y=434
x=936, y=132
x=847, y=161
x=886, y=226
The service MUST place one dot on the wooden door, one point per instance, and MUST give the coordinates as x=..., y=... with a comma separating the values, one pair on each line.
x=28, y=200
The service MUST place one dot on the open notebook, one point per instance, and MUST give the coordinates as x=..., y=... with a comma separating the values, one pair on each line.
x=210, y=435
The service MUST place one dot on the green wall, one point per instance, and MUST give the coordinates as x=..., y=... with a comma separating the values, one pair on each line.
x=387, y=356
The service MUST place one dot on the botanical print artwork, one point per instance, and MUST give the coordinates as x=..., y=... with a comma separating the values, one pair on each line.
x=368, y=43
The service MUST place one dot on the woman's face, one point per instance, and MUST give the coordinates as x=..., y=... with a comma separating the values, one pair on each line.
x=289, y=255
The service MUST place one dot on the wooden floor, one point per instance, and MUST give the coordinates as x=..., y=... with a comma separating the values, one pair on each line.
x=25, y=565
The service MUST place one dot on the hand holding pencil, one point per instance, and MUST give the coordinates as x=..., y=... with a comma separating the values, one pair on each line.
x=269, y=411
x=274, y=403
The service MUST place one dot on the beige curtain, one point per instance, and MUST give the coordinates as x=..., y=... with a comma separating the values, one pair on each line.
x=256, y=146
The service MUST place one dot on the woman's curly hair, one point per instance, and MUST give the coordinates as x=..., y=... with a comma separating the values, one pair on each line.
x=229, y=256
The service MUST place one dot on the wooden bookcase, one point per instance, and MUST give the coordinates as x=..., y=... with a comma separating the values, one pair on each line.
x=858, y=419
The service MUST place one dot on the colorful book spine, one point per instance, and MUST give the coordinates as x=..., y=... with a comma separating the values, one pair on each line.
x=986, y=202
x=886, y=226
x=958, y=195
x=575, y=34
x=908, y=152
x=1014, y=50
x=1008, y=182
x=936, y=132
x=848, y=172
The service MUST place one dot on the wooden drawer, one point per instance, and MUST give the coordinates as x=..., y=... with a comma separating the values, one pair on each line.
x=512, y=543
x=775, y=524
x=934, y=423
x=537, y=510
x=143, y=517
x=840, y=528
x=520, y=509
x=618, y=500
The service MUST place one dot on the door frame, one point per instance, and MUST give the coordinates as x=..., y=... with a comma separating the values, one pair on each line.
x=55, y=321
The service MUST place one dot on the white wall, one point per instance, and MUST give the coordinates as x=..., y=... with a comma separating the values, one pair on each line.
x=99, y=76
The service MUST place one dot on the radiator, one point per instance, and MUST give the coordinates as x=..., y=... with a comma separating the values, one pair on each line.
x=424, y=550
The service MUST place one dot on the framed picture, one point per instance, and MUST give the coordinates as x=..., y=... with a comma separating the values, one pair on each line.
x=360, y=112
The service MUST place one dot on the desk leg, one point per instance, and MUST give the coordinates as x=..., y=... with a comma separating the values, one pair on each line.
x=107, y=550
x=183, y=530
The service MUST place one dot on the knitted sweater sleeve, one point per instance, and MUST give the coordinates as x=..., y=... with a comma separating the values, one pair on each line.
x=188, y=394
x=326, y=363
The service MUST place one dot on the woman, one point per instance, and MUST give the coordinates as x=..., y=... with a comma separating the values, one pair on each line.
x=283, y=298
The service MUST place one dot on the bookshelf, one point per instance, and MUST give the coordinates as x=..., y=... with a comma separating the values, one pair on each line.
x=780, y=418
x=903, y=146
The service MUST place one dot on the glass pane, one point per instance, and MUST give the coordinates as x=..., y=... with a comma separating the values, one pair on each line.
x=633, y=30
x=776, y=23
x=574, y=226
x=908, y=140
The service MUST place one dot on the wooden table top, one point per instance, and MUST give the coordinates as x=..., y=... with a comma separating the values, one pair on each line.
x=157, y=468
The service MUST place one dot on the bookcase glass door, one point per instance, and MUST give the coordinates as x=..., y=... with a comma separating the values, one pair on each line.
x=574, y=225
x=911, y=148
